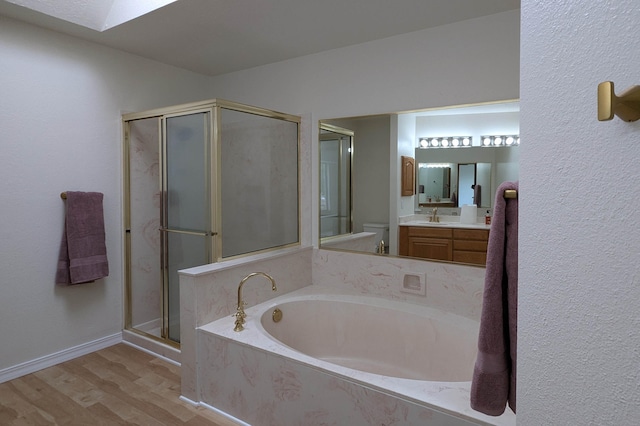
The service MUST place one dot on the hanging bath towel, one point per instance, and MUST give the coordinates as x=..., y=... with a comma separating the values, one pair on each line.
x=494, y=376
x=83, y=253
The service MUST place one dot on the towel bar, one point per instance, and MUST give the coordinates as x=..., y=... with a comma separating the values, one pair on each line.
x=510, y=193
x=63, y=195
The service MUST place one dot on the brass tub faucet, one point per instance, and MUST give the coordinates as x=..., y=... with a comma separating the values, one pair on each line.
x=240, y=315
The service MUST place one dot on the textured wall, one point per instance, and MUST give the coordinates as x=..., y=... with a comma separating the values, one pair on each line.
x=60, y=120
x=579, y=292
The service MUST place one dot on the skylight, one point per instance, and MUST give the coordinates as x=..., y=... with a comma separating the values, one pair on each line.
x=99, y=15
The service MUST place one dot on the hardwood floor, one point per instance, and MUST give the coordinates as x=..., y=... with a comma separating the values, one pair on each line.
x=119, y=385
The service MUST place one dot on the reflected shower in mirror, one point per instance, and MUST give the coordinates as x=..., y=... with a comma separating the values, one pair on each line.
x=440, y=172
x=335, y=180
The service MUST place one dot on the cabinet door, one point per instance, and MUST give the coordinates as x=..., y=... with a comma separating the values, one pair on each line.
x=430, y=248
x=408, y=176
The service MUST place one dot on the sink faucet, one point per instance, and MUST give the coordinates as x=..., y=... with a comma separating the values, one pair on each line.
x=434, y=216
x=240, y=315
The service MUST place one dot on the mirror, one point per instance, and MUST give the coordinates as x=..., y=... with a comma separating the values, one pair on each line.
x=454, y=184
x=449, y=177
x=434, y=184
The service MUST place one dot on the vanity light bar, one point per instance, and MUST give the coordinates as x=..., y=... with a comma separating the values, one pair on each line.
x=500, y=140
x=446, y=142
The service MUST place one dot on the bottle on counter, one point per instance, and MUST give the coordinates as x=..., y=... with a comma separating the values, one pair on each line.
x=487, y=218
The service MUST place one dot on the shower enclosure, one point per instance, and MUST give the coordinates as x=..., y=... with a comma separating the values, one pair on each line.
x=336, y=145
x=203, y=182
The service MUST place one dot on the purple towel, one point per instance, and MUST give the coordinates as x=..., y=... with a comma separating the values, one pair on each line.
x=83, y=253
x=477, y=195
x=494, y=376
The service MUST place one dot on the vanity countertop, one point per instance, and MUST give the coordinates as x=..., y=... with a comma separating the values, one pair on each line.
x=445, y=222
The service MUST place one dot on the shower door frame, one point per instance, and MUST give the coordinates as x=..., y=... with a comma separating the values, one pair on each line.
x=213, y=186
x=161, y=115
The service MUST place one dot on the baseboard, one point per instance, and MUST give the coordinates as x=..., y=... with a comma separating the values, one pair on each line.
x=212, y=408
x=37, y=364
x=152, y=346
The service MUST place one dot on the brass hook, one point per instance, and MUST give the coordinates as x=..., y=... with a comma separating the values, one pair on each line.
x=626, y=106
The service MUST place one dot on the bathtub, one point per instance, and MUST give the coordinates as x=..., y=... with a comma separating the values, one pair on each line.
x=336, y=357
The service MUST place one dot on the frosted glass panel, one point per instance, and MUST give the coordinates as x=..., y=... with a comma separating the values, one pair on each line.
x=184, y=251
x=259, y=182
x=187, y=203
x=187, y=198
x=146, y=275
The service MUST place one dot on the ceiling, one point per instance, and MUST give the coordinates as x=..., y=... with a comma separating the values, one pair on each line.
x=214, y=37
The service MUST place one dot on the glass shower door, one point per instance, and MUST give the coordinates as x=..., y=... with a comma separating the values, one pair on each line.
x=144, y=248
x=186, y=229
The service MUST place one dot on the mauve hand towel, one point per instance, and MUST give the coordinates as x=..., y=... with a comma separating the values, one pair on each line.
x=83, y=253
x=477, y=195
x=494, y=376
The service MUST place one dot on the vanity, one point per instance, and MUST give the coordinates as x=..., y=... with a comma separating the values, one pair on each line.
x=448, y=241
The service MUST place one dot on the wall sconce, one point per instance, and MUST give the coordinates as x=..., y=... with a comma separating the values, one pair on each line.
x=500, y=140
x=446, y=142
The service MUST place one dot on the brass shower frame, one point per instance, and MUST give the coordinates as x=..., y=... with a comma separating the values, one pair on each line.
x=351, y=134
x=213, y=158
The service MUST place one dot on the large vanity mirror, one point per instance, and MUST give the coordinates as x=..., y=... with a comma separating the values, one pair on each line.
x=449, y=171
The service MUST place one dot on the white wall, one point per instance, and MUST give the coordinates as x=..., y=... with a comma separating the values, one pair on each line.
x=579, y=292
x=60, y=106
x=391, y=75
x=60, y=110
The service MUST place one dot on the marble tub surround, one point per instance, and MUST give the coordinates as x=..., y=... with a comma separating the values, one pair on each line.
x=255, y=378
x=450, y=287
x=210, y=292
x=362, y=241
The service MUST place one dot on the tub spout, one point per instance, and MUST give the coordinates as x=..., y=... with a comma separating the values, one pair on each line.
x=240, y=315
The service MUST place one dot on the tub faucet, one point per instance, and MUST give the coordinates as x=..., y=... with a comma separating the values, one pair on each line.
x=434, y=216
x=240, y=315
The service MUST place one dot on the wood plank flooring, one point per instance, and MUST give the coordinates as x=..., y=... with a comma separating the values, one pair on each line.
x=119, y=385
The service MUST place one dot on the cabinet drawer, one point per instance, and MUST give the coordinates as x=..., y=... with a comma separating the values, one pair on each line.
x=471, y=234
x=470, y=245
x=425, y=231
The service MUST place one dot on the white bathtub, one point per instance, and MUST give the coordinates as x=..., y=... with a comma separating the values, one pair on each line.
x=425, y=345
x=365, y=359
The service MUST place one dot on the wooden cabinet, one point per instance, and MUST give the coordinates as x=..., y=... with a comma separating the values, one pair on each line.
x=408, y=167
x=452, y=244
x=470, y=245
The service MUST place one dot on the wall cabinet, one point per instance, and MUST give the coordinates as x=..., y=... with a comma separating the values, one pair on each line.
x=408, y=167
x=451, y=244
